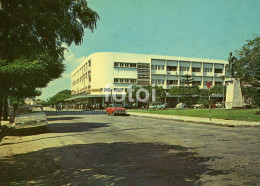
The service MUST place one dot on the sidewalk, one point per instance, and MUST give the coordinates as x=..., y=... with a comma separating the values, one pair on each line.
x=197, y=120
x=4, y=126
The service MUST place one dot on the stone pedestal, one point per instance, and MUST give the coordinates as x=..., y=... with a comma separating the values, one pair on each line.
x=233, y=94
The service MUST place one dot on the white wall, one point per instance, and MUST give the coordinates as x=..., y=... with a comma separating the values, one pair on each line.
x=103, y=71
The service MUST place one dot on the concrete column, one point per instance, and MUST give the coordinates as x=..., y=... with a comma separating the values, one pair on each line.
x=165, y=99
x=178, y=72
x=202, y=81
x=190, y=70
x=103, y=102
x=213, y=79
x=124, y=103
x=165, y=79
x=178, y=100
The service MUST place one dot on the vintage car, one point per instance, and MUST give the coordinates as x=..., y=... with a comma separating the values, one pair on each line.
x=115, y=109
x=30, y=116
x=181, y=106
x=157, y=105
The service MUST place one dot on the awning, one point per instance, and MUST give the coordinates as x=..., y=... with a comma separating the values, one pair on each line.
x=84, y=97
x=103, y=95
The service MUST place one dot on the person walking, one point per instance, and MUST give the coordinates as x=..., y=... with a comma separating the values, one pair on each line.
x=58, y=108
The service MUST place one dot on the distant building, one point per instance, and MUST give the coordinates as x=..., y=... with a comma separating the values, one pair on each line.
x=29, y=101
x=103, y=70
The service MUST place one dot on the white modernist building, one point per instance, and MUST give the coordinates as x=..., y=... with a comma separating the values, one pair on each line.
x=105, y=71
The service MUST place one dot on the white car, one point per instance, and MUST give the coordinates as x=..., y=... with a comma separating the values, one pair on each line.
x=30, y=116
x=180, y=106
x=157, y=105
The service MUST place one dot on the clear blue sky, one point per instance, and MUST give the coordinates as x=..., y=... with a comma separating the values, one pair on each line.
x=188, y=28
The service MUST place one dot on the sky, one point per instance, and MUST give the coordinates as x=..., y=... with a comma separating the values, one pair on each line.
x=187, y=28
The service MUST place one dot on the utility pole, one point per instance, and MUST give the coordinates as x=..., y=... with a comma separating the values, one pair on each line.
x=223, y=79
x=209, y=86
x=112, y=101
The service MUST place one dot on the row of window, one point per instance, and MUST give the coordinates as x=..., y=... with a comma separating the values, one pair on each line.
x=124, y=80
x=143, y=82
x=207, y=69
x=157, y=67
x=172, y=82
x=83, y=68
x=158, y=81
x=175, y=82
x=143, y=70
x=171, y=68
x=81, y=80
x=127, y=65
x=143, y=65
x=185, y=69
x=143, y=76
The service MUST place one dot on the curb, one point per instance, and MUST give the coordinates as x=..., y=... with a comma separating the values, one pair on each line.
x=200, y=122
x=3, y=131
x=11, y=131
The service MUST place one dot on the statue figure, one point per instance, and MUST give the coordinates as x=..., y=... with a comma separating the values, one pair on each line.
x=231, y=60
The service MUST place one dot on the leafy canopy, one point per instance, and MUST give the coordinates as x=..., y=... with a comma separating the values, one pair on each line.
x=59, y=97
x=37, y=73
x=33, y=36
x=29, y=26
x=248, y=69
x=248, y=63
x=159, y=91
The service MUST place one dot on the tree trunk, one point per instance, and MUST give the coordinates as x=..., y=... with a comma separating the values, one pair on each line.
x=147, y=104
x=16, y=107
x=1, y=107
x=5, y=114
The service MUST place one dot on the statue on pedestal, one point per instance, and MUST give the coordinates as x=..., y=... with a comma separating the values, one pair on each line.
x=231, y=60
x=234, y=97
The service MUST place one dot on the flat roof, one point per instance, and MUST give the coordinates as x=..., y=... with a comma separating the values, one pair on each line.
x=151, y=56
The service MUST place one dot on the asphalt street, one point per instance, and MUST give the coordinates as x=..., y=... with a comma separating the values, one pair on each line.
x=91, y=148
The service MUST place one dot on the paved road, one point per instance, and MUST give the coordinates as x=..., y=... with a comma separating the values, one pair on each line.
x=90, y=148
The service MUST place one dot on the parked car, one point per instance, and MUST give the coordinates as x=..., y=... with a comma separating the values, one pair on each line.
x=180, y=106
x=30, y=116
x=158, y=105
x=219, y=105
x=197, y=106
x=115, y=109
x=129, y=106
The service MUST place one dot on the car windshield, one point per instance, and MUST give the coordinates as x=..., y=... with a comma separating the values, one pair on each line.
x=118, y=105
x=29, y=110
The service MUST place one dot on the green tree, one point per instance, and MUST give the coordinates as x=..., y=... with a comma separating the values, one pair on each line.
x=32, y=39
x=189, y=94
x=24, y=73
x=34, y=26
x=159, y=93
x=17, y=96
x=187, y=80
x=204, y=92
x=248, y=68
x=59, y=97
x=217, y=90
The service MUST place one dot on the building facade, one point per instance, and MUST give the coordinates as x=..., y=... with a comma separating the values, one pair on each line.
x=107, y=71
